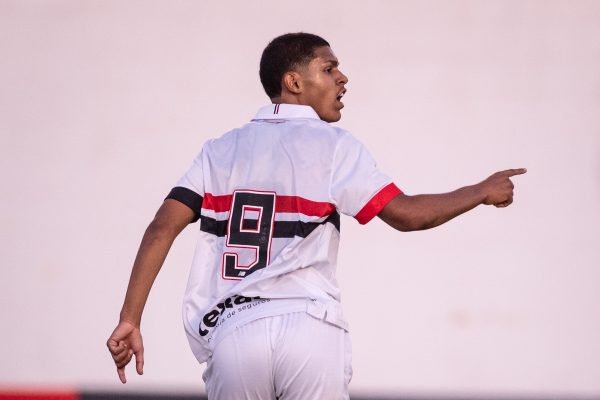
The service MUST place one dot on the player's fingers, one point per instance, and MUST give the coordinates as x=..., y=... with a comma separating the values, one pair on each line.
x=121, y=372
x=120, y=347
x=124, y=361
x=504, y=203
x=121, y=356
x=117, y=350
x=139, y=361
x=114, y=345
x=515, y=171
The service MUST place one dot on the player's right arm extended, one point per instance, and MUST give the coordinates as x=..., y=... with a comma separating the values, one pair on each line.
x=126, y=339
x=425, y=211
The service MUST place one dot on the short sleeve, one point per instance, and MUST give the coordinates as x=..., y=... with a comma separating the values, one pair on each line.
x=189, y=189
x=358, y=187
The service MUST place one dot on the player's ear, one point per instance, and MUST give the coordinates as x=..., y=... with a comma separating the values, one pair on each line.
x=292, y=82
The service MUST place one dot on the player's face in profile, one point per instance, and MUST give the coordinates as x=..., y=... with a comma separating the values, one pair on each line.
x=324, y=85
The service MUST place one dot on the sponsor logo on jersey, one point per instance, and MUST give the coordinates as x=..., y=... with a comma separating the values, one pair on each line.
x=211, y=318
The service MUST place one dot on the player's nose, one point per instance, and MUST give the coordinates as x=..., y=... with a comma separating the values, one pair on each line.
x=343, y=79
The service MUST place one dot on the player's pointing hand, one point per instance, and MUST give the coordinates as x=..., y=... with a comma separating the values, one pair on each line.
x=124, y=343
x=498, y=189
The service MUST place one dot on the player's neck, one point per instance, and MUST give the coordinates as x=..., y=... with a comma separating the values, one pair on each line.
x=287, y=98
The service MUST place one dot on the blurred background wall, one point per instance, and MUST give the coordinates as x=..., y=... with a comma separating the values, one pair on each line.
x=104, y=104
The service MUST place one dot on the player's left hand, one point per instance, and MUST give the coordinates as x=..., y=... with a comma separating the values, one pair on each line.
x=124, y=343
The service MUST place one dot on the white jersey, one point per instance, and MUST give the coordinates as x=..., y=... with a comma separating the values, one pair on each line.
x=268, y=196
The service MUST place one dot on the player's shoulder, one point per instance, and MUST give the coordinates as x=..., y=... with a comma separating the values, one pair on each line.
x=225, y=140
x=345, y=137
x=320, y=128
x=306, y=132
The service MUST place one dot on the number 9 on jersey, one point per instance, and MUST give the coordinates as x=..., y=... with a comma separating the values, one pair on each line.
x=250, y=226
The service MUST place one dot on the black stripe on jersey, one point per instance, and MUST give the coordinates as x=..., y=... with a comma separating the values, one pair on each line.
x=188, y=197
x=281, y=229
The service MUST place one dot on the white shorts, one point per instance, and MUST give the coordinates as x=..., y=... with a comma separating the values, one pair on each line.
x=284, y=357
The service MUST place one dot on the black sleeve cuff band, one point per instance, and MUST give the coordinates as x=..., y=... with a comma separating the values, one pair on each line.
x=188, y=197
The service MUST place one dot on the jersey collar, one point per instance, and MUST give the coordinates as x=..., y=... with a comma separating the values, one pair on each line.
x=285, y=111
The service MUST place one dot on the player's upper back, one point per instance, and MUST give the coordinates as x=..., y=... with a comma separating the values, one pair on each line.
x=285, y=149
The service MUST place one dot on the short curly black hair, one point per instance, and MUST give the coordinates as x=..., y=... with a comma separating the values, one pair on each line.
x=283, y=54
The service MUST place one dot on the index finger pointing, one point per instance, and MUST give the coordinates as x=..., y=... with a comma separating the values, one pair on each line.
x=516, y=171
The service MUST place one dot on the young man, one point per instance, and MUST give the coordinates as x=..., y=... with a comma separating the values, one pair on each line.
x=262, y=303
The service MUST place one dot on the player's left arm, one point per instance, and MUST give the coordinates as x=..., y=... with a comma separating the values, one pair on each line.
x=126, y=340
x=425, y=211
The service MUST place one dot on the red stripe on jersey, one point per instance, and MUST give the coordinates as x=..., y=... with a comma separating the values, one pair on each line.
x=217, y=203
x=377, y=202
x=292, y=204
x=283, y=204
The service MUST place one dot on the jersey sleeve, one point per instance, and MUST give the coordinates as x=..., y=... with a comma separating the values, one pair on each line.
x=358, y=187
x=189, y=189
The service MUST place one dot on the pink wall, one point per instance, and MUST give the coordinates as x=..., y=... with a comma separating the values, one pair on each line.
x=103, y=104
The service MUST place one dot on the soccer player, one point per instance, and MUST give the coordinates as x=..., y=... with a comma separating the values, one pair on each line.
x=262, y=305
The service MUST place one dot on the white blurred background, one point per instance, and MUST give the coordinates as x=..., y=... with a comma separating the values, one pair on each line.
x=104, y=104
